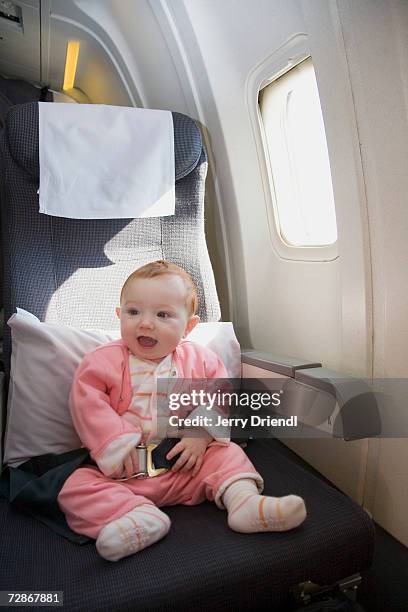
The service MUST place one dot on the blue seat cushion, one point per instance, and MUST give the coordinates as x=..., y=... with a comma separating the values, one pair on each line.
x=201, y=564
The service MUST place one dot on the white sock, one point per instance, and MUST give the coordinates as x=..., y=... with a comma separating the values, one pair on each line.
x=249, y=512
x=137, y=529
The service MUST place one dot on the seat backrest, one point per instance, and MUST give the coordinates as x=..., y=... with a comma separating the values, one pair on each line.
x=70, y=271
x=14, y=91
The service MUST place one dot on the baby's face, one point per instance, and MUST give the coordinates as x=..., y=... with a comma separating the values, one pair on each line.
x=154, y=316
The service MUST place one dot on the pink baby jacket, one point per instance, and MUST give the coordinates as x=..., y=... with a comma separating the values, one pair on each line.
x=101, y=393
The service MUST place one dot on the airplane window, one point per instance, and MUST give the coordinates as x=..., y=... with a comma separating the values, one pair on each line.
x=299, y=169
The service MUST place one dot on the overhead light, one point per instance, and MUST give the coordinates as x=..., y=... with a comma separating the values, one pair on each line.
x=71, y=64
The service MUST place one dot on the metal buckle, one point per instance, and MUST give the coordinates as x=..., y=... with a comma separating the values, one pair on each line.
x=147, y=469
x=151, y=470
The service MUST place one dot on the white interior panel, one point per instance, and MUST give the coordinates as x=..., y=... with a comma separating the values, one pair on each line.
x=124, y=58
x=377, y=47
x=343, y=463
x=10, y=69
x=20, y=48
x=31, y=3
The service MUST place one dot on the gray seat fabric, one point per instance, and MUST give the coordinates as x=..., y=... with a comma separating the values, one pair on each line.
x=70, y=271
x=14, y=91
x=201, y=565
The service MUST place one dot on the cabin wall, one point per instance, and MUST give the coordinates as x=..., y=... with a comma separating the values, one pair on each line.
x=376, y=40
x=20, y=51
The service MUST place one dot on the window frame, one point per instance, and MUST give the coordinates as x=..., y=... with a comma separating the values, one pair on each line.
x=289, y=55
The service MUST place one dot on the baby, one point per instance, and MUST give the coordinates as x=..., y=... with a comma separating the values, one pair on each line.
x=113, y=405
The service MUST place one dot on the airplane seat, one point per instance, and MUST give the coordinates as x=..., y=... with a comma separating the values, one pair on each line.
x=51, y=267
x=12, y=92
x=72, y=253
x=16, y=91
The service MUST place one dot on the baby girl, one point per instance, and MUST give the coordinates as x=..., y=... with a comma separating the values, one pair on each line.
x=113, y=404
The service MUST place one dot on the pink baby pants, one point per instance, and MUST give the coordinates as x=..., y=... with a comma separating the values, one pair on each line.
x=91, y=500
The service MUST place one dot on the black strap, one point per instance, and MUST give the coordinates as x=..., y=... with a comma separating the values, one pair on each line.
x=160, y=452
x=34, y=487
x=44, y=94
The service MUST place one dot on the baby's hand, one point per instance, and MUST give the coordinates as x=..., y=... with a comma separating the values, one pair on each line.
x=192, y=451
x=128, y=467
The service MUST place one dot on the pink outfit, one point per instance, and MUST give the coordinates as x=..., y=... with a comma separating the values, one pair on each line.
x=100, y=395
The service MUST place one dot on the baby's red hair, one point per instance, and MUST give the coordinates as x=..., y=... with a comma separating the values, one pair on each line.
x=161, y=267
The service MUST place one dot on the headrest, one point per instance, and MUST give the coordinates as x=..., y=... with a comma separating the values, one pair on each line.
x=22, y=136
x=13, y=91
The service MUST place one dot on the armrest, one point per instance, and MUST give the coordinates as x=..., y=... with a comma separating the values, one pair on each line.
x=272, y=362
x=325, y=403
x=355, y=413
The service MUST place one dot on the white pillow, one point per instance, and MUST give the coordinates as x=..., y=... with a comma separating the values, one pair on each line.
x=43, y=361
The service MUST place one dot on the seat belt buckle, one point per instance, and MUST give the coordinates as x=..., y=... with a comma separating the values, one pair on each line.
x=146, y=465
x=151, y=470
x=141, y=451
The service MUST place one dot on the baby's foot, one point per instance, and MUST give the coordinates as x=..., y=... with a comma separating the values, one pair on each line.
x=253, y=513
x=139, y=528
